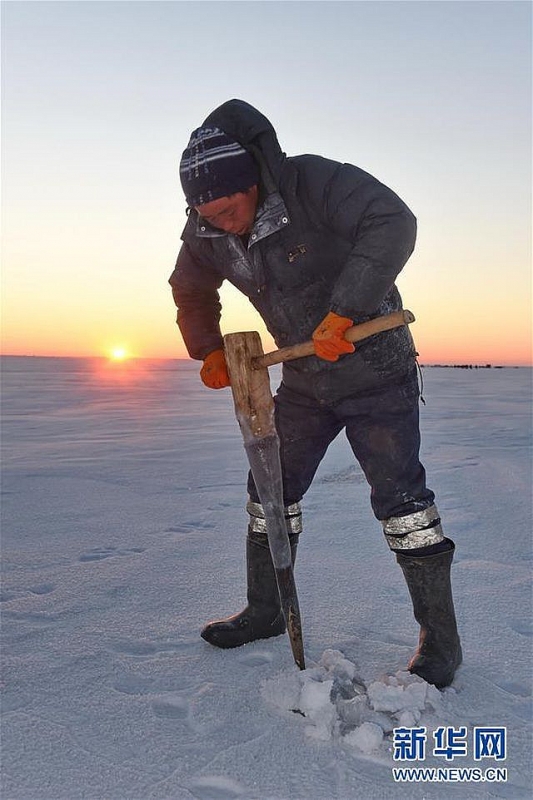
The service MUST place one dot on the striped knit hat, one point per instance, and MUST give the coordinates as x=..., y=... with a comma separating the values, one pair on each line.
x=213, y=166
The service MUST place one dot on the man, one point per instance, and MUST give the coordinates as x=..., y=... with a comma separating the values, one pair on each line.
x=316, y=246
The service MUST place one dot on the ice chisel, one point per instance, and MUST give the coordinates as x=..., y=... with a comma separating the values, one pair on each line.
x=254, y=408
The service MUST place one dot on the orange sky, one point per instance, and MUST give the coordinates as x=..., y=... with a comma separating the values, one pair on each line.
x=96, y=112
x=446, y=333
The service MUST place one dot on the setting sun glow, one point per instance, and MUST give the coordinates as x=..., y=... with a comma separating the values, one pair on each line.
x=105, y=73
x=118, y=354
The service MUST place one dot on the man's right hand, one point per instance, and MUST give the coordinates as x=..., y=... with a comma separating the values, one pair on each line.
x=214, y=372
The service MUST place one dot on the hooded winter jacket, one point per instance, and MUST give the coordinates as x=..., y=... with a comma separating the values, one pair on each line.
x=327, y=237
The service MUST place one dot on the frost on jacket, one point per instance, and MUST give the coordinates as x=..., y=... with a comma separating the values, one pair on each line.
x=327, y=236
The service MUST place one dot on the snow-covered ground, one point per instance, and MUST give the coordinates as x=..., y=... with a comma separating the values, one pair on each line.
x=123, y=532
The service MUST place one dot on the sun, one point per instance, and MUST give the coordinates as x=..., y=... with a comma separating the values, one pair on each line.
x=118, y=353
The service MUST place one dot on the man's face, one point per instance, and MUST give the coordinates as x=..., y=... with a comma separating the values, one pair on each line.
x=233, y=214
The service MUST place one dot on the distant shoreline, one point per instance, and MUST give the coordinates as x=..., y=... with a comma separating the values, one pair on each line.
x=96, y=358
x=190, y=360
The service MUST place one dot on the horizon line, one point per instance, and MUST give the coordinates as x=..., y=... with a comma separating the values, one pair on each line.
x=447, y=364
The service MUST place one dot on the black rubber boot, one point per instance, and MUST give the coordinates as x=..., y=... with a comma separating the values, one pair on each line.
x=439, y=649
x=262, y=617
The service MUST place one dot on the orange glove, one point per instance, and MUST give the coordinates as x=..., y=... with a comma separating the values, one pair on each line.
x=214, y=372
x=328, y=338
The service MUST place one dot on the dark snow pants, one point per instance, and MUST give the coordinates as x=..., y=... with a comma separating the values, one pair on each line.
x=382, y=427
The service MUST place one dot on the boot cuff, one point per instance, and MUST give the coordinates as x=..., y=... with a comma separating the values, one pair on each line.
x=418, y=560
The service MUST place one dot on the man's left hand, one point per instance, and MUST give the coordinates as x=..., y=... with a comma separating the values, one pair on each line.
x=328, y=337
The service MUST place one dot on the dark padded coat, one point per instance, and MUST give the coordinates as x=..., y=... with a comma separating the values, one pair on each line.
x=327, y=237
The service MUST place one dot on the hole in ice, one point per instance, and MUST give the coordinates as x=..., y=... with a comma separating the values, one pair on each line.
x=339, y=705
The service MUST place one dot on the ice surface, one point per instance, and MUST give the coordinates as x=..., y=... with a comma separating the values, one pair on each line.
x=123, y=531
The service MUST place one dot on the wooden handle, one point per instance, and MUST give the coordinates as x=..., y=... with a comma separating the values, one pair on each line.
x=354, y=334
x=254, y=406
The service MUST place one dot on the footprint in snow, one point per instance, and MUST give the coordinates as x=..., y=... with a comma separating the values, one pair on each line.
x=134, y=648
x=403, y=641
x=217, y=787
x=165, y=703
x=465, y=462
x=171, y=708
x=255, y=659
x=101, y=553
x=220, y=504
x=42, y=588
x=142, y=647
x=118, y=592
x=133, y=685
x=34, y=617
x=522, y=626
x=193, y=526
